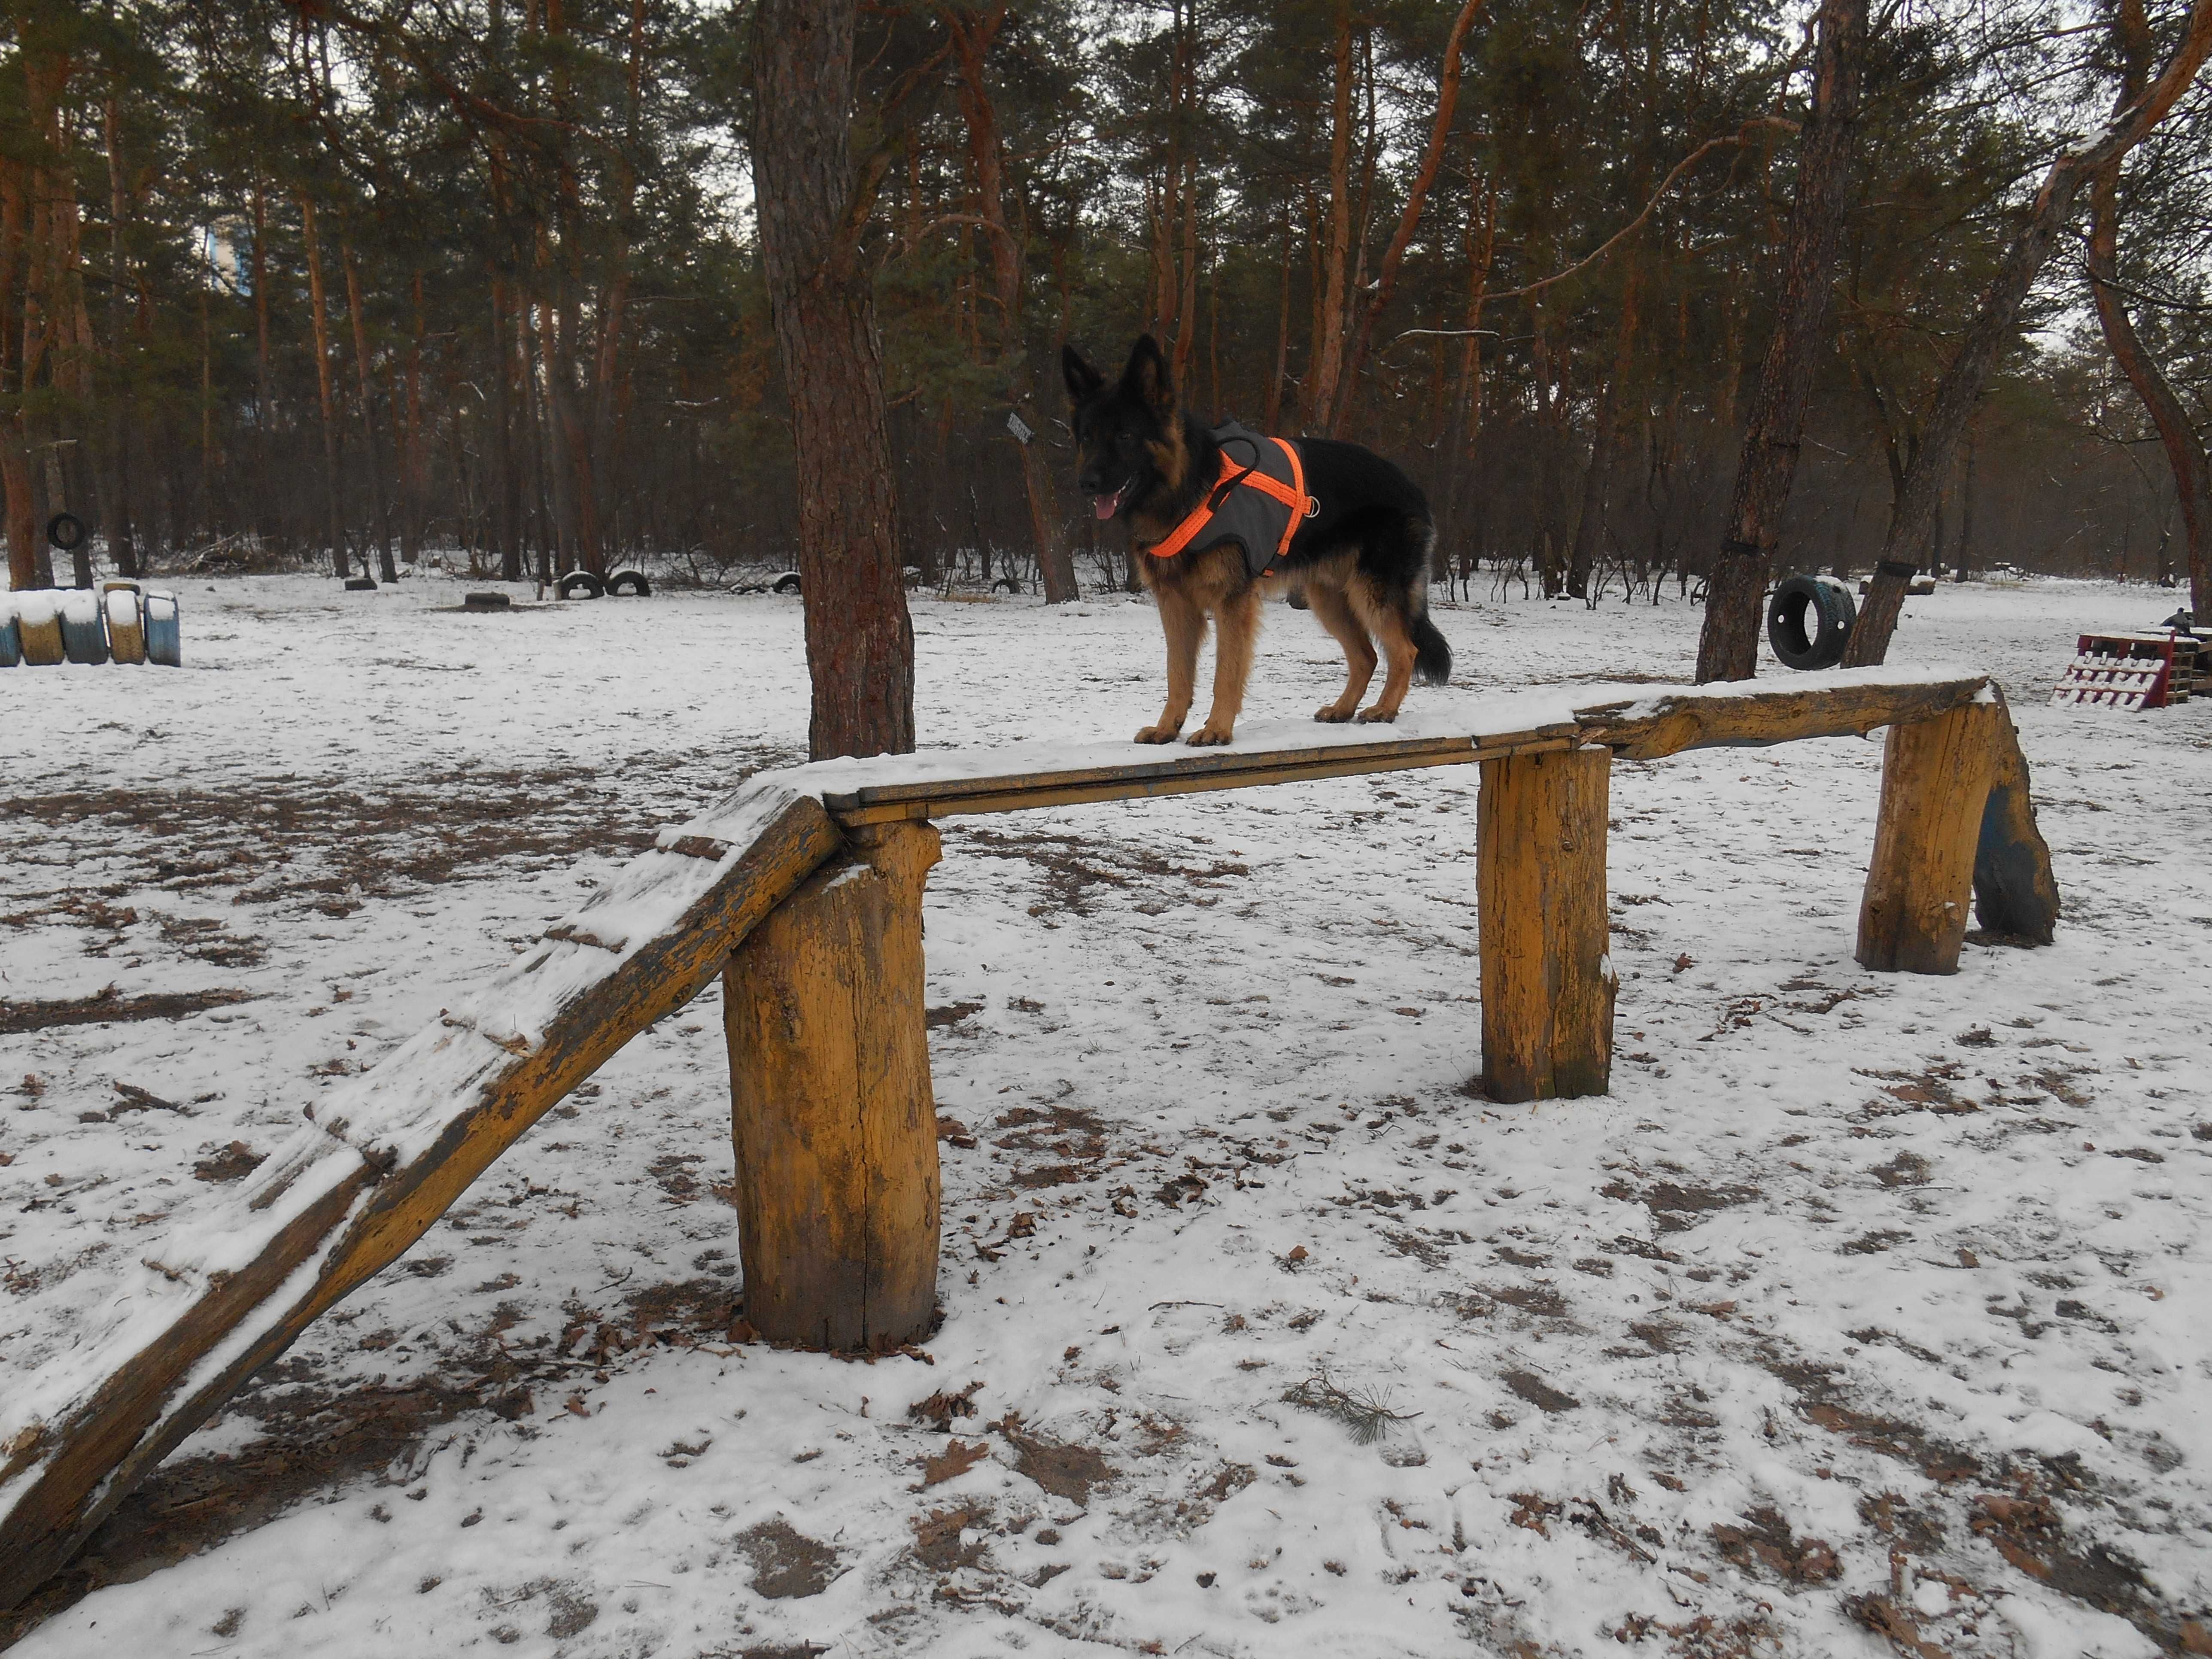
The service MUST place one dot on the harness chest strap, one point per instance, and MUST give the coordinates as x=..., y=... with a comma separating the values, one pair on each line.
x=1233, y=477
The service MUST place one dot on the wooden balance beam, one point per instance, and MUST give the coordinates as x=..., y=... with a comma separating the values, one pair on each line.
x=804, y=889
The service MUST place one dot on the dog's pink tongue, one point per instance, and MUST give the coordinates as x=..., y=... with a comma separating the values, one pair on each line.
x=1104, y=506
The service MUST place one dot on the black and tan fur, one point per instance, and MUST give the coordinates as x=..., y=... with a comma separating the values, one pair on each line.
x=1361, y=562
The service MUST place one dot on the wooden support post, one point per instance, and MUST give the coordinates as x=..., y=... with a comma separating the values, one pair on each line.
x=2014, y=892
x=832, y=1116
x=1547, y=978
x=1935, y=776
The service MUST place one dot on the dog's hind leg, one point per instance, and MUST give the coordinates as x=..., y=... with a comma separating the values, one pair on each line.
x=1389, y=623
x=1236, y=633
x=1334, y=612
x=1184, y=624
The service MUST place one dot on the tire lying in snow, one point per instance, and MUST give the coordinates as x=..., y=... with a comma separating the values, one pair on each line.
x=580, y=581
x=628, y=581
x=787, y=583
x=1808, y=620
x=1005, y=585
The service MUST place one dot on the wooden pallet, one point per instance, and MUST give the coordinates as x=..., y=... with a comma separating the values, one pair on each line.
x=2131, y=671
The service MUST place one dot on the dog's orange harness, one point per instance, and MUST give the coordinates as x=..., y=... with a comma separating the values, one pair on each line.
x=1234, y=477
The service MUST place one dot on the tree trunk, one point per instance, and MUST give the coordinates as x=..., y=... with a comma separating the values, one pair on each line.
x=1589, y=527
x=410, y=440
x=1327, y=360
x=1274, y=413
x=2185, y=450
x=1186, y=340
x=263, y=523
x=1991, y=331
x=26, y=248
x=1166, y=290
x=1409, y=220
x=1552, y=438
x=1479, y=243
x=29, y=564
x=552, y=439
x=506, y=486
x=1728, y=644
x=1963, y=565
x=378, y=519
x=972, y=38
x=859, y=639
x=335, y=517
x=115, y=490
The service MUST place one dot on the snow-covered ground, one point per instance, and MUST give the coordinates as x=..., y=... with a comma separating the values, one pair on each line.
x=1864, y=1304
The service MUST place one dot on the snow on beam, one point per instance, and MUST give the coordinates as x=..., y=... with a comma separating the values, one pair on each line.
x=1746, y=714
x=1636, y=722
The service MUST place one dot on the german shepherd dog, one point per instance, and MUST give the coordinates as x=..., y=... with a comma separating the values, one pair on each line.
x=1361, y=560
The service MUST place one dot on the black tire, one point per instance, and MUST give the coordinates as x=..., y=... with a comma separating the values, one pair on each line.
x=1808, y=620
x=66, y=531
x=360, y=585
x=580, y=581
x=1005, y=585
x=787, y=583
x=631, y=582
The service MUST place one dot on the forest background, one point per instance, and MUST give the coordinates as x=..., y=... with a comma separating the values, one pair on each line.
x=287, y=280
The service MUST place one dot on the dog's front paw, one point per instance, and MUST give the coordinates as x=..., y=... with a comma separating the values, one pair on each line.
x=1368, y=716
x=1210, y=736
x=1158, y=734
x=1330, y=714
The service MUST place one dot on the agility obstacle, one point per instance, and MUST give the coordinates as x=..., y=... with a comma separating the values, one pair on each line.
x=804, y=889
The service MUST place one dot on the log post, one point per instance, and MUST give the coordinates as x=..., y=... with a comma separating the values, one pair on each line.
x=1547, y=978
x=831, y=1113
x=1936, y=777
x=2014, y=892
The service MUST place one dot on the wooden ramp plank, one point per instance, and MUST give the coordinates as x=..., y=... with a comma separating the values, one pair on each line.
x=1048, y=789
x=1447, y=722
x=377, y=1163
x=1639, y=722
x=1746, y=714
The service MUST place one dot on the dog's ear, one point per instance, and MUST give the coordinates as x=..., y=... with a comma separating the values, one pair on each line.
x=1082, y=379
x=1148, y=378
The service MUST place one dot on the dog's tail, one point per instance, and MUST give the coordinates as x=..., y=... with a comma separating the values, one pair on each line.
x=1432, y=657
